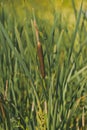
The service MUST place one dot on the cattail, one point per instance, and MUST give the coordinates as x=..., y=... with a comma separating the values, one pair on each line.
x=39, y=51
x=41, y=59
x=6, y=89
x=2, y=110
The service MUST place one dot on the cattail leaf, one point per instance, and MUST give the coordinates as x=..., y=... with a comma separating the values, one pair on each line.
x=75, y=32
x=20, y=44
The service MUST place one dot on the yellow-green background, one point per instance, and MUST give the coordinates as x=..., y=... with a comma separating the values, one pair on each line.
x=43, y=8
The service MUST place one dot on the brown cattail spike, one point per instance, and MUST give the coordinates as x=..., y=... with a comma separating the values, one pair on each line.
x=5, y=91
x=2, y=110
x=39, y=51
x=41, y=59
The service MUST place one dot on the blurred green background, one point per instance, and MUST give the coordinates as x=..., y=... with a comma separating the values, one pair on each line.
x=43, y=8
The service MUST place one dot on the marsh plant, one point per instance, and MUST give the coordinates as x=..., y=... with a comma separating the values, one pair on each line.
x=43, y=72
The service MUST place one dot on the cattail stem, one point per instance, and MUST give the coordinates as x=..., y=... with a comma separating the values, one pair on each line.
x=83, y=118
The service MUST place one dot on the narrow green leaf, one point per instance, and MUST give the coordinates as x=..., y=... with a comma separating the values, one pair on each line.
x=75, y=33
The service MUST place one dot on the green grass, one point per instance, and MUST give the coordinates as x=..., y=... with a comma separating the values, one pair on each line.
x=27, y=100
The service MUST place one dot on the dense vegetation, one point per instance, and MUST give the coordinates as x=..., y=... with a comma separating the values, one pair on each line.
x=43, y=88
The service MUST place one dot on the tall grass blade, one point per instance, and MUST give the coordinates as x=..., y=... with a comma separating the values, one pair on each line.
x=75, y=33
x=74, y=8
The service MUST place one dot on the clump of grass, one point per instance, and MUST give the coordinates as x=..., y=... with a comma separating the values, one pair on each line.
x=55, y=98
